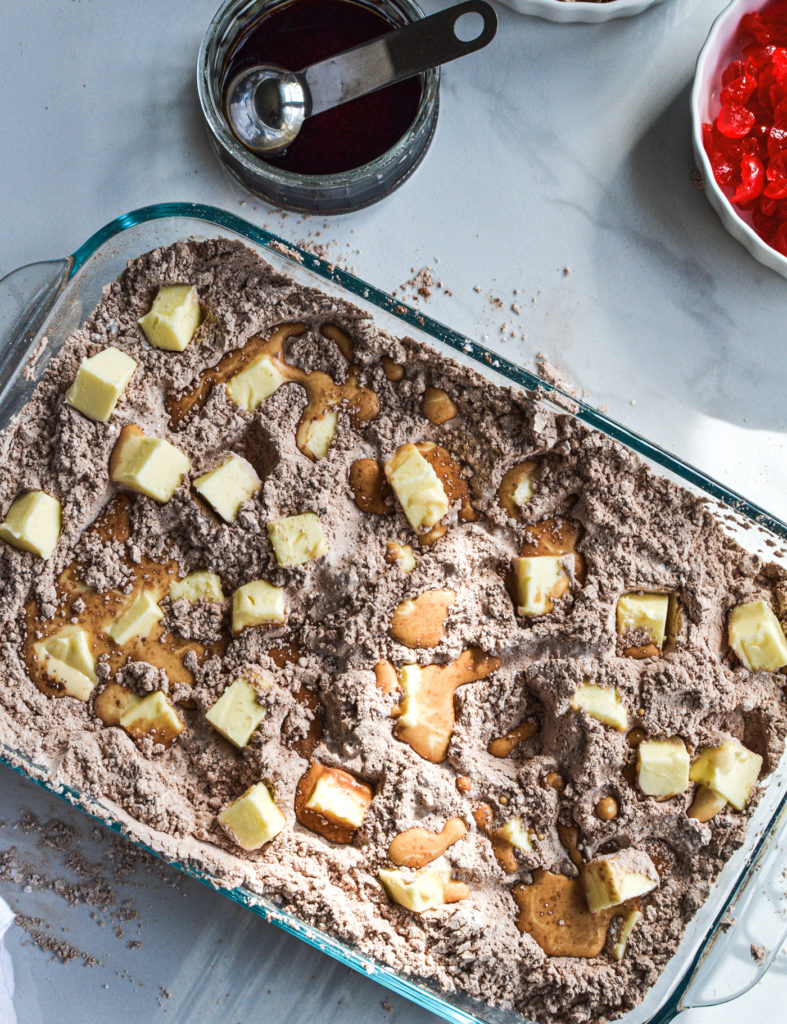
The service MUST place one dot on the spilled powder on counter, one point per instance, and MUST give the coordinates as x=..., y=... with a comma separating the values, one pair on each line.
x=640, y=531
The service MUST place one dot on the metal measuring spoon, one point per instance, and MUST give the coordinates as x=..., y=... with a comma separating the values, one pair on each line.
x=266, y=105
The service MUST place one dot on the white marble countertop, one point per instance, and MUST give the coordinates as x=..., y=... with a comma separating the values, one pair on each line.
x=582, y=161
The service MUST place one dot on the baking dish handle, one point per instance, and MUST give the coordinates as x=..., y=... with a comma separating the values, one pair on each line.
x=27, y=296
x=749, y=935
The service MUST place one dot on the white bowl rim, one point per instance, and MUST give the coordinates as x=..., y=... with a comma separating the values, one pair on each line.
x=726, y=23
x=566, y=11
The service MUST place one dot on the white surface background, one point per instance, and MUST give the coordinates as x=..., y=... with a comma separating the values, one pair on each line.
x=558, y=146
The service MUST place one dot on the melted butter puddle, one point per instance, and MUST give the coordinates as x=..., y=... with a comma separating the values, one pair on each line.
x=569, y=837
x=426, y=714
x=504, y=745
x=417, y=847
x=160, y=648
x=420, y=622
x=553, y=910
x=322, y=392
x=483, y=816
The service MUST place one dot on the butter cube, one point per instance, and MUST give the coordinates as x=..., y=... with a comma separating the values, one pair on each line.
x=227, y=487
x=515, y=833
x=148, y=465
x=644, y=611
x=318, y=434
x=237, y=713
x=258, y=381
x=417, y=890
x=757, y=637
x=99, y=383
x=417, y=486
x=198, y=586
x=253, y=819
x=611, y=880
x=522, y=492
x=137, y=620
x=539, y=580
x=33, y=523
x=297, y=539
x=600, y=703
x=66, y=659
x=663, y=767
x=153, y=717
x=630, y=922
x=173, y=318
x=731, y=770
x=417, y=723
x=340, y=797
x=255, y=604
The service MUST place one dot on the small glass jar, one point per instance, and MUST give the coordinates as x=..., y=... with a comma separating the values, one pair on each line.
x=311, y=193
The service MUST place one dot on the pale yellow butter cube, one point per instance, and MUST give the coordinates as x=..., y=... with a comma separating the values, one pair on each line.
x=153, y=717
x=611, y=880
x=647, y=612
x=137, y=620
x=253, y=819
x=757, y=637
x=148, y=465
x=339, y=797
x=630, y=922
x=257, y=604
x=663, y=767
x=227, y=487
x=414, y=709
x=173, y=318
x=416, y=890
x=99, y=383
x=67, y=660
x=523, y=491
x=33, y=523
x=198, y=586
x=539, y=580
x=417, y=486
x=731, y=770
x=297, y=539
x=319, y=434
x=237, y=713
x=601, y=703
x=514, y=832
x=258, y=381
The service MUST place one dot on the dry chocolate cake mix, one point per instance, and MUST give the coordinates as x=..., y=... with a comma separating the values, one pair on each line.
x=512, y=734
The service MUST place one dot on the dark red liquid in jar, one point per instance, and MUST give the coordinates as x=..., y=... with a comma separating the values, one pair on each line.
x=306, y=31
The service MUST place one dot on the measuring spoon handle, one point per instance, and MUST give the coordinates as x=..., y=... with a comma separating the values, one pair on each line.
x=392, y=57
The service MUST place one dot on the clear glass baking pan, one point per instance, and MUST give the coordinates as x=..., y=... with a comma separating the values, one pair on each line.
x=42, y=303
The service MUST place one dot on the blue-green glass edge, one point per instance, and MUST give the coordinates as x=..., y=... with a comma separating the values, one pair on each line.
x=532, y=382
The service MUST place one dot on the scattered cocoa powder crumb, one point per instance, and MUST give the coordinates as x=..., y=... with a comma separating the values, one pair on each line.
x=61, y=950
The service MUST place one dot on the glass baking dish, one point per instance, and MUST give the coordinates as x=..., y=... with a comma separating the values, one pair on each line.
x=42, y=303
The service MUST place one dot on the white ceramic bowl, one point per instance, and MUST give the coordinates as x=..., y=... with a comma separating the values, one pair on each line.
x=718, y=51
x=580, y=10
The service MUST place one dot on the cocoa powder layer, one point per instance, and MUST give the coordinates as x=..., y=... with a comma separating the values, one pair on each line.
x=640, y=531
